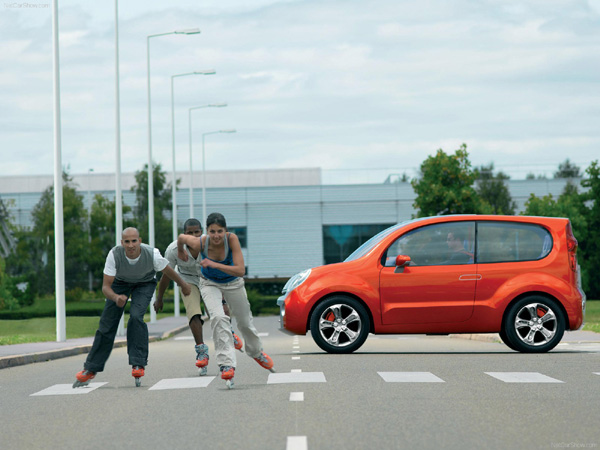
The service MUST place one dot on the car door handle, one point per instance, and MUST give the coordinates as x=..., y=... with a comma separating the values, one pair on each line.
x=470, y=277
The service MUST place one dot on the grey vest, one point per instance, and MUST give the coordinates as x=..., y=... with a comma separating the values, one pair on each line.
x=140, y=272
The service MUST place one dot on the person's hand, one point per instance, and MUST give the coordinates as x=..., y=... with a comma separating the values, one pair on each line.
x=158, y=304
x=121, y=300
x=186, y=289
x=182, y=254
x=207, y=263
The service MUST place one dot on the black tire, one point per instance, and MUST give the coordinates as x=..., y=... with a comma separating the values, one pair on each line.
x=534, y=324
x=339, y=324
x=505, y=339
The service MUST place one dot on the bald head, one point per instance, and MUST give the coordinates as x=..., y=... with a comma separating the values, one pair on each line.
x=131, y=242
x=130, y=231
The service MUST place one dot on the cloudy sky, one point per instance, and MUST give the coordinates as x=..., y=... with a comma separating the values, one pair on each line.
x=359, y=88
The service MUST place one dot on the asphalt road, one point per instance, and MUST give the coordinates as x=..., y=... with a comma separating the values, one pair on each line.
x=397, y=392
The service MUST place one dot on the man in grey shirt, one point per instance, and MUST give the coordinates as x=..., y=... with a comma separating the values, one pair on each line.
x=129, y=273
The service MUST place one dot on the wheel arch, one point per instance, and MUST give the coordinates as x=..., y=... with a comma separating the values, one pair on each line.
x=539, y=294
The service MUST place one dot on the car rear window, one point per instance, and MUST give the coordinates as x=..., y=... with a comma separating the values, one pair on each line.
x=509, y=241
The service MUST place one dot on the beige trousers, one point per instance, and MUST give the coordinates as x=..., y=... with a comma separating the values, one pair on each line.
x=234, y=294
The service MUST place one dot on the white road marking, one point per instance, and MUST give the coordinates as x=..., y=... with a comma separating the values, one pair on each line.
x=295, y=358
x=523, y=377
x=296, y=396
x=295, y=370
x=263, y=334
x=182, y=383
x=296, y=377
x=184, y=338
x=296, y=443
x=296, y=346
x=410, y=377
x=67, y=389
x=295, y=351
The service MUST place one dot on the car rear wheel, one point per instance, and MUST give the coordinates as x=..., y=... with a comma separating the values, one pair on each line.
x=534, y=324
x=339, y=324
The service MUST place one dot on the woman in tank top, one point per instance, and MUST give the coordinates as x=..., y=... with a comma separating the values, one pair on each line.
x=222, y=272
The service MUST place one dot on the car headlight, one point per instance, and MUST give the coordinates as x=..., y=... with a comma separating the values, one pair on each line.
x=295, y=281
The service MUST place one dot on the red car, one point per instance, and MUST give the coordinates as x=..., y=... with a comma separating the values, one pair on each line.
x=513, y=275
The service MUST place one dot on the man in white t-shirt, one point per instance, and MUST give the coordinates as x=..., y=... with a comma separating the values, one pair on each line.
x=129, y=273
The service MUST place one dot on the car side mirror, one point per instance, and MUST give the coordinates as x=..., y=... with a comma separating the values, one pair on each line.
x=401, y=262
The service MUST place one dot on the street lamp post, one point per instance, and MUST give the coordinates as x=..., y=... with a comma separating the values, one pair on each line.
x=174, y=185
x=89, y=196
x=59, y=234
x=204, y=169
x=211, y=105
x=150, y=166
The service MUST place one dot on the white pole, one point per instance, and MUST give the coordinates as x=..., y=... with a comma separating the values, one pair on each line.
x=118, y=195
x=174, y=191
x=203, y=185
x=89, y=223
x=59, y=238
x=190, y=164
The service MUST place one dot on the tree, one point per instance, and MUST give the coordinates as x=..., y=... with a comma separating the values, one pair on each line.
x=163, y=229
x=446, y=185
x=583, y=210
x=567, y=169
x=34, y=254
x=102, y=228
x=493, y=191
x=590, y=246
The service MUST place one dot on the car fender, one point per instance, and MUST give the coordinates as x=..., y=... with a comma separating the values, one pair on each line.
x=529, y=284
x=338, y=283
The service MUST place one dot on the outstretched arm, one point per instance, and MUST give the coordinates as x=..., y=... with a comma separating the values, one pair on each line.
x=162, y=287
x=192, y=242
x=170, y=273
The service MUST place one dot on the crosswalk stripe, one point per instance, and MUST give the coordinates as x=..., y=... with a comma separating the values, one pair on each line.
x=523, y=377
x=296, y=377
x=296, y=396
x=67, y=389
x=296, y=443
x=410, y=377
x=182, y=383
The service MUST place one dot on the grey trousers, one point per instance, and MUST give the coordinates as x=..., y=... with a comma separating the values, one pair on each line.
x=140, y=295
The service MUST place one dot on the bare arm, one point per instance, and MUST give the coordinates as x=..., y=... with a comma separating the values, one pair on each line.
x=238, y=269
x=192, y=242
x=108, y=292
x=168, y=272
x=162, y=287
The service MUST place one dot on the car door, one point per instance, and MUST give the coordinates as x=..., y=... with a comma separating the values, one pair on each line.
x=439, y=284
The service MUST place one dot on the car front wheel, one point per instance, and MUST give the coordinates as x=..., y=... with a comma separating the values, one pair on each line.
x=534, y=325
x=339, y=324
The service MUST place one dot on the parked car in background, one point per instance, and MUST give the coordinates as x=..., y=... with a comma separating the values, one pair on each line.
x=513, y=275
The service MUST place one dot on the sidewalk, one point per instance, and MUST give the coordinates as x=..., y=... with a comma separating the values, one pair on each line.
x=570, y=337
x=19, y=354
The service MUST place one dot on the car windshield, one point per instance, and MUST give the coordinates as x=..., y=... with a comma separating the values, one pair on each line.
x=371, y=243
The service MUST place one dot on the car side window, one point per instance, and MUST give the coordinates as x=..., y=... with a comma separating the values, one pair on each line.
x=509, y=242
x=433, y=245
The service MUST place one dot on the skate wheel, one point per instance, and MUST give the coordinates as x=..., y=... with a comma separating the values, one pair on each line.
x=80, y=384
x=272, y=370
x=202, y=371
x=138, y=382
x=229, y=384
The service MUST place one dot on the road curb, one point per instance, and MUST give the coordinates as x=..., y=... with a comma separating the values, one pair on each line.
x=485, y=337
x=30, y=358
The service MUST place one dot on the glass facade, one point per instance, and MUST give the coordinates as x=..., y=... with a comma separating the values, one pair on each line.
x=339, y=241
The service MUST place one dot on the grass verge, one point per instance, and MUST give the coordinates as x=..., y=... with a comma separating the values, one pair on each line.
x=43, y=329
